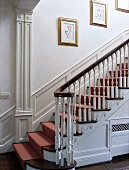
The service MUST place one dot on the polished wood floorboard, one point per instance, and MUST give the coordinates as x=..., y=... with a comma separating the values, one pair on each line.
x=9, y=161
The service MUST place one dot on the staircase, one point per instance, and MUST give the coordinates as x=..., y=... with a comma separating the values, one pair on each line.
x=84, y=108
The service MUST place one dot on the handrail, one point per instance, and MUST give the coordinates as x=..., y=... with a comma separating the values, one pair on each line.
x=59, y=93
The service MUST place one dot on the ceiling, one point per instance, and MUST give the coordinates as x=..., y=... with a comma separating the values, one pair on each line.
x=21, y=4
x=11, y=2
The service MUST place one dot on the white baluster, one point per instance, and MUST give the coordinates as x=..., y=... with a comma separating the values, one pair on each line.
x=74, y=116
x=89, y=99
x=112, y=73
x=57, y=136
x=79, y=112
x=108, y=88
x=72, y=133
x=103, y=99
x=69, y=133
x=128, y=66
x=99, y=99
x=124, y=78
x=94, y=99
x=84, y=111
x=120, y=78
x=116, y=87
x=62, y=130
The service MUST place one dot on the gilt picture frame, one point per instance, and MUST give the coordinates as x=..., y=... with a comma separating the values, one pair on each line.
x=98, y=13
x=67, y=31
x=122, y=6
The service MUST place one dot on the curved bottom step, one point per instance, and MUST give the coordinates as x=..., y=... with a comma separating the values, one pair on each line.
x=43, y=164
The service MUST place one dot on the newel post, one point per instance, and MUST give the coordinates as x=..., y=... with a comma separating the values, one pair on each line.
x=23, y=114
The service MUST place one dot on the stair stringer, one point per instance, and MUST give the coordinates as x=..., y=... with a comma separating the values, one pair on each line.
x=95, y=144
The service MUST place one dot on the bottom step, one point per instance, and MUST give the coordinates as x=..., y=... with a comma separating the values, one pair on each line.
x=24, y=151
x=42, y=164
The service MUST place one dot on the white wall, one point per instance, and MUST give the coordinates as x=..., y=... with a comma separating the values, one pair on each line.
x=7, y=57
x=49, y=59
x=7, y=77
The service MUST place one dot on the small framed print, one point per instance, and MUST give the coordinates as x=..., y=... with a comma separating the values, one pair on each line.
x=122, y=5
x=98, y=13
x=67, y=31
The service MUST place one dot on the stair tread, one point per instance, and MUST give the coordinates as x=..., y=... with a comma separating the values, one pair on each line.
x=38, y=140
x=51, y=125
x=25, y=151
x=92, y=95
x=82, y=106
x=84, y=122
x=41, y=138
x=47, y=165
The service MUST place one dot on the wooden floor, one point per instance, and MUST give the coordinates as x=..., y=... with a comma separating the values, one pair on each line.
x=10, y=162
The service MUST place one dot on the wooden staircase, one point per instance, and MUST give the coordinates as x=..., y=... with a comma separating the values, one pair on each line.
x=77, y=105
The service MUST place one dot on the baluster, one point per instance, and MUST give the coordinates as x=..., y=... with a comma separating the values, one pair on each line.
x=103, y=99
x=84, y=112
x=57, y=136
x=69, y=132
x=89, y=99
x=116, y=87
x=120, y=77
x=63, y=112
x=94, y=99
x=62, y=129
x=99, y=99
x=124, y=78
x=108, y=88
x=112, y=73
x=72, y=133
x=74, y=115
x=128, y=66
x=79, y=112
x=69, y=88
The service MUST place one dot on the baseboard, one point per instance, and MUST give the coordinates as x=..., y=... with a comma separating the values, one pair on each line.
x=8, y=146
x=92, y=159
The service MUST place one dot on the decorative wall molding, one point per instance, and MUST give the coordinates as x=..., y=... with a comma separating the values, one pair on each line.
x=7, y=129
x=23, y=114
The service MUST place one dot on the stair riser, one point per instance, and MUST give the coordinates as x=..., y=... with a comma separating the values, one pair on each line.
x=48, y=131
x=36, y=146
x=123, y=66
x=124, y=73
x=109, y=82
x=97, y=90
x=91, y=101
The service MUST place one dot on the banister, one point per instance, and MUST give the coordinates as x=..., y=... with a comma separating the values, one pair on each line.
x=58, y=92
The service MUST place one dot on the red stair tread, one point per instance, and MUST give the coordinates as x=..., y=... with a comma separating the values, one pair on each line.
x=49, y=128
x=82, y=106
x=38, y=140
x=24, y=151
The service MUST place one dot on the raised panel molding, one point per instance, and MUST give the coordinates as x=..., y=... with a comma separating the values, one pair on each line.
x=7, y=129
x=23, y=114
x=24, y=124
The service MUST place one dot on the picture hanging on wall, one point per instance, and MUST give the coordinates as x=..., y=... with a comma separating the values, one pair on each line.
x=67, y=31
x=122, y=5
x=98, y=13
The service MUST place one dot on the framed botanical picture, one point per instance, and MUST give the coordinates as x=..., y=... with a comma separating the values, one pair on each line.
x=67, y=31
x=98, y=13
x=122, y=5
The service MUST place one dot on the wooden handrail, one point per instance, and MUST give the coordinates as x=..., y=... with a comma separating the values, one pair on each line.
x=59, y=93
